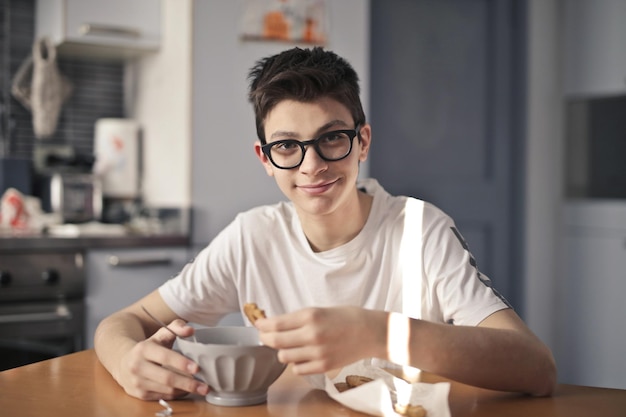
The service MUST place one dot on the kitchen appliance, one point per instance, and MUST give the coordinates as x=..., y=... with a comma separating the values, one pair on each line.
x=77, y=198
x=42, y=305
x=117, y=150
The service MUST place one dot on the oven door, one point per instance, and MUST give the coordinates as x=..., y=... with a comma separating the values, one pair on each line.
x=35, y=331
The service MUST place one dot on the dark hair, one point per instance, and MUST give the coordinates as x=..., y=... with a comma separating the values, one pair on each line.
x=303, y=75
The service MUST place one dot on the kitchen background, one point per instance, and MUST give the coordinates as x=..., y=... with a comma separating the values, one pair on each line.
x=511, y=114
x=97, y=93
x=98, y=89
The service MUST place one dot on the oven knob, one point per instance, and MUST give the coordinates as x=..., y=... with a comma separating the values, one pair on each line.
x=5, y=278
x=50, y=276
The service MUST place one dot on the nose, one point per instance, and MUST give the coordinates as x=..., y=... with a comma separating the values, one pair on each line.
x=312, y=162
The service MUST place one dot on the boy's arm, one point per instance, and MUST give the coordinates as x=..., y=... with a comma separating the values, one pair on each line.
x=501, y=353
x=137, y=352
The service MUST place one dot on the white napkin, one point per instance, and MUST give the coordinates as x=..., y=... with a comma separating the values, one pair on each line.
x=379, y=396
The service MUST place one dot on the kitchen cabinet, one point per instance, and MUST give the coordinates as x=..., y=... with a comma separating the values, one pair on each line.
x=118, y=277
x=113, y=28
x=593, y=285
x=594, y=47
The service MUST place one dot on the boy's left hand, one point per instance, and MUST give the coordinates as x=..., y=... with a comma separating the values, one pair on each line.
x=317, y=340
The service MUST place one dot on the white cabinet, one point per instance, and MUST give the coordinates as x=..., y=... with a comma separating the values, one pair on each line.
x=118, y=277
x=112, y=28
x=592, y=293
x=595, y=47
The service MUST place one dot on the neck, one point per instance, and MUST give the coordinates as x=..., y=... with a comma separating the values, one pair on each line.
x=330, y=231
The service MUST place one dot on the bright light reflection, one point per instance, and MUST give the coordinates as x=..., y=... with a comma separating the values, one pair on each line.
x=410, y=261
x=398, y=338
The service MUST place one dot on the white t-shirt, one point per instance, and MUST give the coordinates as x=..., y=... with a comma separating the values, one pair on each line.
x=408, y=258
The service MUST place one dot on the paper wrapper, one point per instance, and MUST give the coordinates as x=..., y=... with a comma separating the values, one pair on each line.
x=379, y=396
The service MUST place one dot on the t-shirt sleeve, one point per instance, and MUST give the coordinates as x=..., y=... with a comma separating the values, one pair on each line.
x=204, y=291
x=465, y=295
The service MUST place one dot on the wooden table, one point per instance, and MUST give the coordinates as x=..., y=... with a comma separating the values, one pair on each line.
x=77, y=385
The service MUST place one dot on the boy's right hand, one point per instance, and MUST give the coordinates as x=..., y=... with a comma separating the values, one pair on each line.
x=151, y=370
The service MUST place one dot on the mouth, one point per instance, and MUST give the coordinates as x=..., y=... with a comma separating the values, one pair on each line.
x=319, y=188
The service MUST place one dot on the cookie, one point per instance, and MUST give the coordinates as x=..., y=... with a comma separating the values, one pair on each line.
x=342, y=386
x=253, y=312
x=356, y=380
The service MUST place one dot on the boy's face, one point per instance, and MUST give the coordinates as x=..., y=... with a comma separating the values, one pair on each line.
x=316, y=187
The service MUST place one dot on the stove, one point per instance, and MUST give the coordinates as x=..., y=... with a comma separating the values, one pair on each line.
x=42, y=305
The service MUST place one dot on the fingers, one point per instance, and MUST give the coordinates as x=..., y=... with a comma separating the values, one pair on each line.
x=167, y=357
x=166, y=338
x=321, y=339
x=161, y=382
x=152, y=371
x=286, y=321
x=310, y=326
x=300, y=337
x=288, y=330
x=181, y=328
x=146, y=385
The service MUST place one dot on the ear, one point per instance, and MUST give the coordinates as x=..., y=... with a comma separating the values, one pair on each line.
x=366, y=139
x=269, y=168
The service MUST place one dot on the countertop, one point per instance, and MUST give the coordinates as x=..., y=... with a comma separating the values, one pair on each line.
x=78, y=385
x=42, y=242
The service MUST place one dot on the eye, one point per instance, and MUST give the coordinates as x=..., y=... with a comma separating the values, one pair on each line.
x=333, y=137
x=285, y=146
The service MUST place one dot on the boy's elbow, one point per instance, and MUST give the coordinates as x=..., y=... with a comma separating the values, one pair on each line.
x=547, y=383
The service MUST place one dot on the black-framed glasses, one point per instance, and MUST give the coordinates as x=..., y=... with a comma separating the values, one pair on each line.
x=330, y=146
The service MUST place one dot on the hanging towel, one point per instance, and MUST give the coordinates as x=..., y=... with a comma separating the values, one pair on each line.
x=41, y=88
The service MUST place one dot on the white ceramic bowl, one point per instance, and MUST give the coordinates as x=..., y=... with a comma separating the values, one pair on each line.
x=234, y=364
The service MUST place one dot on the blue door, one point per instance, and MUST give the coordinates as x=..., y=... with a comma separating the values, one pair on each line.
x=446, y=110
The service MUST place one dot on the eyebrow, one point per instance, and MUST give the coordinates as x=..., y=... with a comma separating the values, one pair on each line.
x=323, y=128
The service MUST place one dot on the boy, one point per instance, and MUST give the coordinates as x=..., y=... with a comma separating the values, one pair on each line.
x=344, y=270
